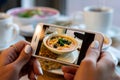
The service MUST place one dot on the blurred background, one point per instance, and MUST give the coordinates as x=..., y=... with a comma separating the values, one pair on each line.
x=66, y=7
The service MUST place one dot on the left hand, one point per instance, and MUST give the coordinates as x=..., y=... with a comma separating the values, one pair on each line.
x=16, y=61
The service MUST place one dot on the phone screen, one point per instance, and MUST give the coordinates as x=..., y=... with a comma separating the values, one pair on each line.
x=53, y=39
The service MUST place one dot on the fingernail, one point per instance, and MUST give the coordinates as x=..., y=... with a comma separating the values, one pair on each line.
x=40, y=70
x=95, y=44
x=27, y=49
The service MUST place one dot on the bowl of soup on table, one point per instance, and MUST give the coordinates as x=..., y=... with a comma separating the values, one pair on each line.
x=34, y=15
x=60, y=43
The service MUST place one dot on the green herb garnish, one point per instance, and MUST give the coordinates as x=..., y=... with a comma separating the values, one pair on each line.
x=30, y=13
x=62, y=41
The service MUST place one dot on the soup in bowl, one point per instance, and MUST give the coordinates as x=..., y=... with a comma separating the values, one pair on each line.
x=60, y=44
x=34, y=15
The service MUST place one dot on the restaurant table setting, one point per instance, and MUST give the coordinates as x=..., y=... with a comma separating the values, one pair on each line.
x=9, y=31
x=27, y=18
x=22, y=22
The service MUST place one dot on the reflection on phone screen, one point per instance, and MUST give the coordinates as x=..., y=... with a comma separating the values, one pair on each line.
x=62, y=44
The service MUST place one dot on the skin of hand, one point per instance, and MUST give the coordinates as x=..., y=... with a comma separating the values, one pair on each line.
x=95, y=66
x=15, y=63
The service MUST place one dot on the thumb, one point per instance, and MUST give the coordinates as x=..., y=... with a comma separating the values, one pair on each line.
x=24, y=56
x=93, y=52
x=88, y=64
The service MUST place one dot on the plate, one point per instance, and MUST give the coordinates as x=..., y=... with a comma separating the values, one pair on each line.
x=18, y=38
x=72, y=57
x=114, y=31
x=27, y=30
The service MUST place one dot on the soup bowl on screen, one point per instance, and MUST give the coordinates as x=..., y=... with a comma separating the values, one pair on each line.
x=60, y=44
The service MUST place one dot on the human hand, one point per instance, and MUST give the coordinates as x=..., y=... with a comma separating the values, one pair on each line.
x=94, y=66
x=16, y=61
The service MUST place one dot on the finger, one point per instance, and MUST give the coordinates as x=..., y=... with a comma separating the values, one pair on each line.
x=24, y=57
x=93, y=52
x=32, y=76
x=12, y=53
x=89, y=62
x=106, y=64
x=15, y=49
x=69, y=69
x=18, y=46
x=37, y=67
x=26, y=69
x=68, y=76
x=106, y=60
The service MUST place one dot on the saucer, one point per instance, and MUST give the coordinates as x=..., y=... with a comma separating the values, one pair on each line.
x=114, y=31
x=71, y=58
x=26, y=30
x=18, y=38
x=107, y=42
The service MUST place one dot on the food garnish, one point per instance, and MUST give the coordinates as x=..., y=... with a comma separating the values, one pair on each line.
x=30, y=13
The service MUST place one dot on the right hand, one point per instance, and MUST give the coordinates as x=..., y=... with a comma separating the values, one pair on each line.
x=94, y=66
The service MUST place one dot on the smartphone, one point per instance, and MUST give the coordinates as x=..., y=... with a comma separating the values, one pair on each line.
x=72, y=57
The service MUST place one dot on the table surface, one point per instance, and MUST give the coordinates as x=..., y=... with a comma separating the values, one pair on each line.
x=51, y=76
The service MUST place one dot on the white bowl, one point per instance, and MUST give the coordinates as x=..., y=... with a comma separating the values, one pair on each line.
x=73, y=45
x=107, y=42
x=53, y=15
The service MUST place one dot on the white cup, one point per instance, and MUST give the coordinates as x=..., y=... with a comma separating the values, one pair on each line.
x=95, y=18
x=8, y=30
